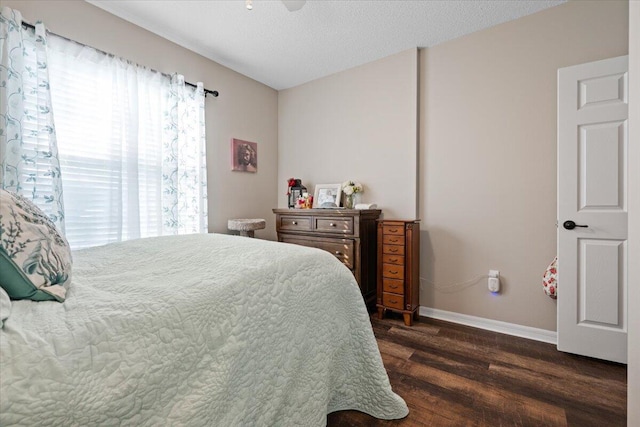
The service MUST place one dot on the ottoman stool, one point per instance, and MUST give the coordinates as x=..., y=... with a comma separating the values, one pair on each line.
x=246, y=227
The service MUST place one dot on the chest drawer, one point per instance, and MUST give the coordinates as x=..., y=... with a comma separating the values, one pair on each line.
x=334, y=225
x=393, y=259
x=393, y=301
x=393, y=271
x=291, y=223
x=392, y=239
x=342, y=249
x=393, y=249
x=393, y=286
x=393, y=229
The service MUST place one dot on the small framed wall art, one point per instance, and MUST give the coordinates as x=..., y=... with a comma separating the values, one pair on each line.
x=244, y=155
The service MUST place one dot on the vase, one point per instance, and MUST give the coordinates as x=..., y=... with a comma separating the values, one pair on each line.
x=351, y=200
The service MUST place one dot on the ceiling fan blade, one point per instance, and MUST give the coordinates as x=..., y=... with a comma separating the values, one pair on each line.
x=293, y=5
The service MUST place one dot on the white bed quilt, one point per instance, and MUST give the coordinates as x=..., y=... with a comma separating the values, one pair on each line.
x=198, y=330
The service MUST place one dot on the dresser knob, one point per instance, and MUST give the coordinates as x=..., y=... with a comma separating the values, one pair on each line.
x=331, y=224
x=338, y=253
x=294, y=222
x=393, y=272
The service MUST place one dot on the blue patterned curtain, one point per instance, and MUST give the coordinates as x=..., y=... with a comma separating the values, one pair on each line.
x=184, y=172
x=28, y=149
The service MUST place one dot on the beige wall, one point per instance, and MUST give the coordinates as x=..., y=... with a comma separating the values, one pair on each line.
x=488, y=155
x=245, y=108
x=633, y=382
x=359, y=124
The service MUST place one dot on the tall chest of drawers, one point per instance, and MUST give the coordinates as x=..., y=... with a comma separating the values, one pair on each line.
x=399, y=268
x=349, y=234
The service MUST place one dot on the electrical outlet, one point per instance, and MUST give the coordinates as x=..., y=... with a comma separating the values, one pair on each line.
x=494, y=281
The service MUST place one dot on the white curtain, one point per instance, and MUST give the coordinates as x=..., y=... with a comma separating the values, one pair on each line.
x=184, y=166
x=131, y=148
x=28, y=149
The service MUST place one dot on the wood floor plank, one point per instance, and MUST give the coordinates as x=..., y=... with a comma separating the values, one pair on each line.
x=511, y=405
x=578, y=388
x=488, y=354
x=455, y=375
x=525, y=380
x=393, y=349
x=566, y=394
x=429, y=402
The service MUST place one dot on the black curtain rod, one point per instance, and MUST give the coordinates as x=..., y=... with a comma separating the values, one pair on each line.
x=213, y=93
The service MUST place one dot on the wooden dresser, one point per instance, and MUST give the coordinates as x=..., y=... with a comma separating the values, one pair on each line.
x=399, y=268
x=349, y=234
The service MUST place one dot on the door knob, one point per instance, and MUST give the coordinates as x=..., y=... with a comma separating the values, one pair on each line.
x=570, y=225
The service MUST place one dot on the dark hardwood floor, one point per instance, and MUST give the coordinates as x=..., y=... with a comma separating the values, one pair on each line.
x=453, y=375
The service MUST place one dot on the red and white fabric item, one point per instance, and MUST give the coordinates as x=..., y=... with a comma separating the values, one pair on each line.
x=550, y=279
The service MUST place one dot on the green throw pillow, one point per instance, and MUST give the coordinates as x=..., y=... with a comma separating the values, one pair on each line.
x=35, y=259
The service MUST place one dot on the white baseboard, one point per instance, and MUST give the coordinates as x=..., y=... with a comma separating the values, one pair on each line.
x=536, y=334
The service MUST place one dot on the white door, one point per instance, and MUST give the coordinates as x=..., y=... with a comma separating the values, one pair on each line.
x=592, y=194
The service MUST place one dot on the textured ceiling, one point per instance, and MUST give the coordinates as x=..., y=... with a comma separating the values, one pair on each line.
x=283, y=49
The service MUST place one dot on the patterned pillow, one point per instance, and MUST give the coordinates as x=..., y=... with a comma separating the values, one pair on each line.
x=35, y=259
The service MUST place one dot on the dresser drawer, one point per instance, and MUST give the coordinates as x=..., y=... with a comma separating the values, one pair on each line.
x=393, y=249
x=333, y=225
x=291, y=223
x=392, y=271
x=393, y=286
x=393, y=259
x=392, y=239
x=342, y=249
x=394, y=230
x=393, y=301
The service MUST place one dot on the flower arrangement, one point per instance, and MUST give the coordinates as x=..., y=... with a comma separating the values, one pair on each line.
x=351, y=187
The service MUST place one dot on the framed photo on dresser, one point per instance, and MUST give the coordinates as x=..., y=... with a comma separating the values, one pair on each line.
x=327, y=196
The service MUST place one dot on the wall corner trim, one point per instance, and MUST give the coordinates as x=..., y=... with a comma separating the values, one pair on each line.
x=536, y=334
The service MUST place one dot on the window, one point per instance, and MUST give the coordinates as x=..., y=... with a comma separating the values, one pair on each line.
x=113, y=133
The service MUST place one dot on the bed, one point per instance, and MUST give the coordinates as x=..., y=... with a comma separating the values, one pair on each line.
x=198, y=330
